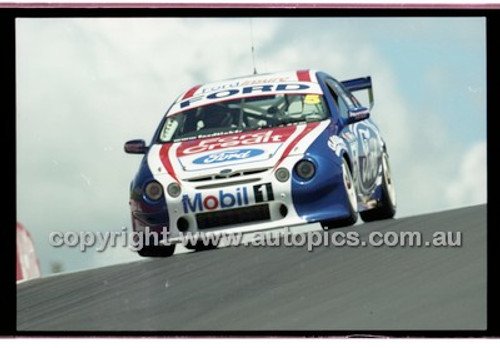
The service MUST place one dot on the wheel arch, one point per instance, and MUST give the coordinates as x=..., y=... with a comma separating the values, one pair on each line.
x=347, y=157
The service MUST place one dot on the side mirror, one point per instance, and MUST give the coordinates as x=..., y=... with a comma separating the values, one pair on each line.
x=358, y=114
x=135, y=146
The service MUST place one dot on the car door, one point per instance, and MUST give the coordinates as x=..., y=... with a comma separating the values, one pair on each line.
x=362, y=137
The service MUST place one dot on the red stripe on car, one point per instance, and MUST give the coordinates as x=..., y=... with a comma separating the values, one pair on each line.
x=165, y=160
x=289, y=148
x=303, y=75
x=191, y=92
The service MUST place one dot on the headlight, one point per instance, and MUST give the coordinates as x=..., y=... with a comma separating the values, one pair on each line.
x=174, y=190
x=305, y=169
x=154, y=190
x=282, y=174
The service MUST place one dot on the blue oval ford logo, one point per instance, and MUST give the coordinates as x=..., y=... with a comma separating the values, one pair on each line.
x=229, y=155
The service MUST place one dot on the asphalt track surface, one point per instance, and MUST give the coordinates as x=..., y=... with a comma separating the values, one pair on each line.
x=280, y=288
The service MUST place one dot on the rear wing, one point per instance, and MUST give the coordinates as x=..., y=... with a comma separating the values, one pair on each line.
x=360, y=84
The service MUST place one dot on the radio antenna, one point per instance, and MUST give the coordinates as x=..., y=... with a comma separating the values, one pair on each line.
x=253, y=49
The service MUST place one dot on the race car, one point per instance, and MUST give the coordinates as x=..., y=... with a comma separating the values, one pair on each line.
x=262, y=152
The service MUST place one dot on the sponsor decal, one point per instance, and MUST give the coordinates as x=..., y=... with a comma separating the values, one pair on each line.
x=199, y=202
x=278, y=135
x=312, y=99
x=215, y=93
x=248, y=90
x=337, y=144
x=350, y=137
x=263, y=193
x=235, y=84
x=230, y=155
x=369, y=155
x=225, y=199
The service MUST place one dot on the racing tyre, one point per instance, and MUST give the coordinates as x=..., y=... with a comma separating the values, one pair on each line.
x=157, y=251
x=352, y=199
x=199, y=246
x=386, y=208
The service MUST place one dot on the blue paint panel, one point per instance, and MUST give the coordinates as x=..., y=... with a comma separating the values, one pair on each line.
x=358, y=84
x=151, y=213
x=322, y=197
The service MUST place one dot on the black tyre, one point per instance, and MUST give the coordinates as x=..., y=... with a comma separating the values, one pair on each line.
x=352, y=198
x=157, y=251
x=386, y=207
x=200, y=246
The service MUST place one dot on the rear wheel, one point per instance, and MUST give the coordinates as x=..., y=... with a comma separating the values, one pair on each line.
x=157, y=251
x=352, y=200
x=386, y=208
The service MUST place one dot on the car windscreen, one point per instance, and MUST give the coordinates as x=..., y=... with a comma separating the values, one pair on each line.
x=244, y=114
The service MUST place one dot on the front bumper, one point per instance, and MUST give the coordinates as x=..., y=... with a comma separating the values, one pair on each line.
x=248, y=203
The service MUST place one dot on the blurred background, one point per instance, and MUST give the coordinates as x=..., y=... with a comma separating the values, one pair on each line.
x=85, y=86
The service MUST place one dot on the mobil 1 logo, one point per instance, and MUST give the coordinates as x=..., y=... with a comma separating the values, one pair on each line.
x=263, y=193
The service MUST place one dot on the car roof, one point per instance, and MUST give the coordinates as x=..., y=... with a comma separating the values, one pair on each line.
x=305, y=75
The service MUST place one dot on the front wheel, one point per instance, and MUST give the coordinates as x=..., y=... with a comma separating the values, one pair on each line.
x=200, y=246
x=352, y=200
x=157, y=251
x=386, y=208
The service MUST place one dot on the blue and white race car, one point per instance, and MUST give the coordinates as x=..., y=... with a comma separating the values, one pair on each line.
x=262, y=152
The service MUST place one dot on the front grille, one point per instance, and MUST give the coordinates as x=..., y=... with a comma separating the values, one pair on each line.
x=226, y=183
x=227, y=176
x=233, y=216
